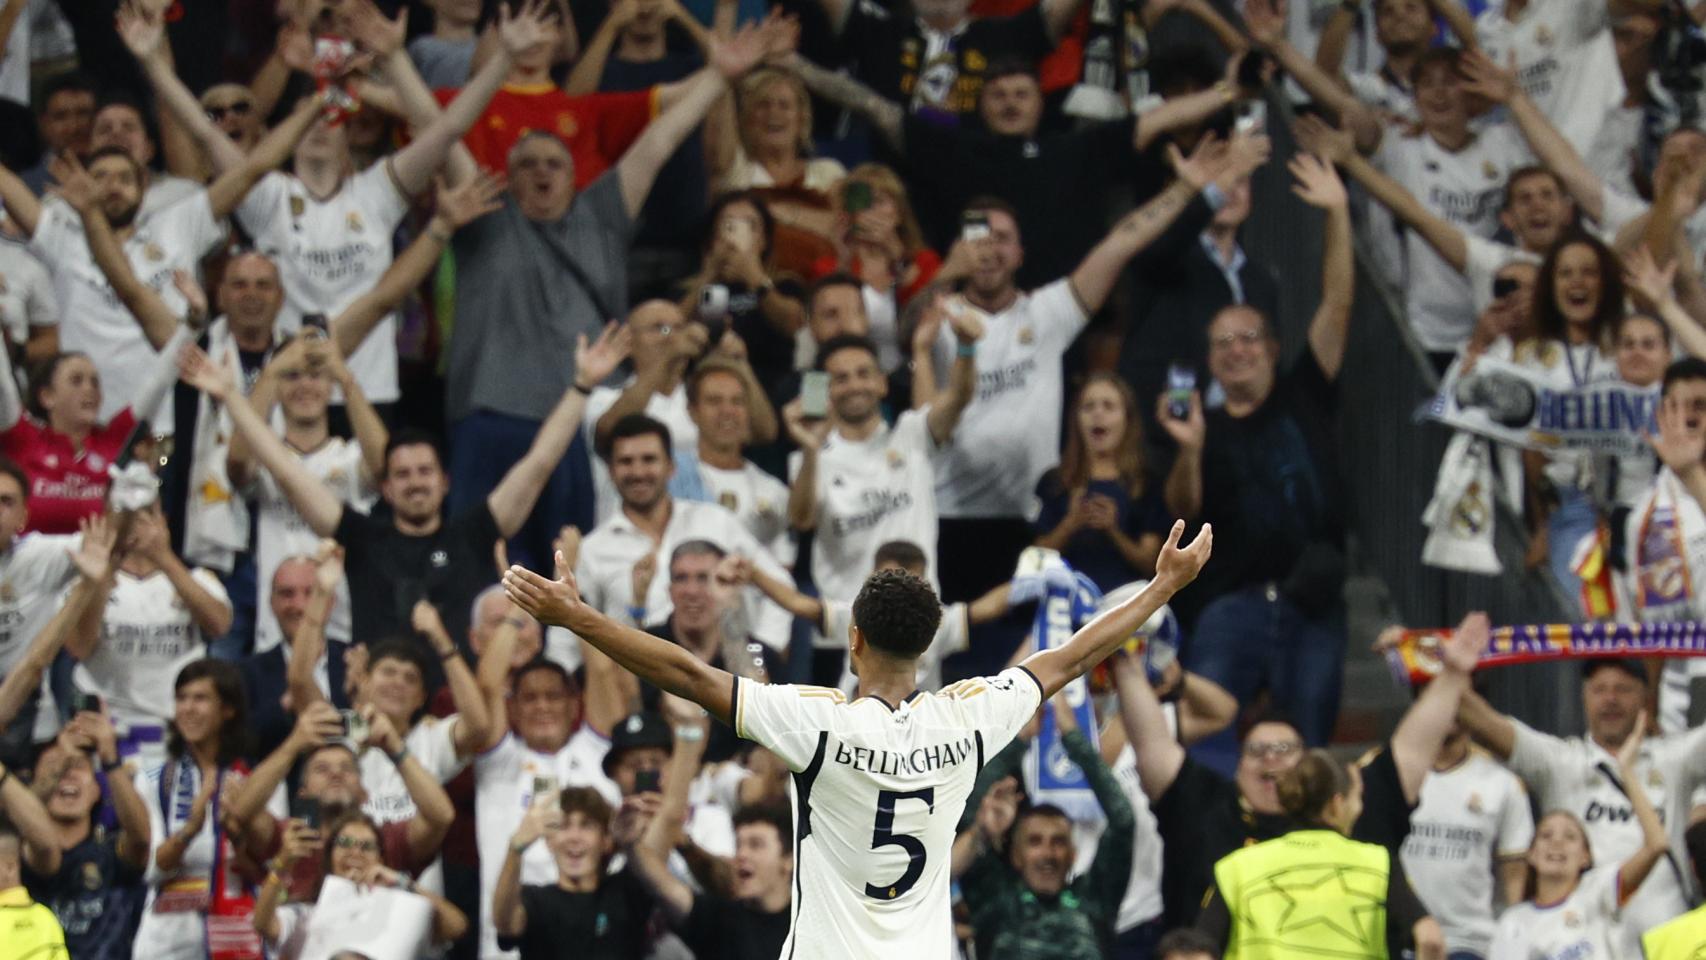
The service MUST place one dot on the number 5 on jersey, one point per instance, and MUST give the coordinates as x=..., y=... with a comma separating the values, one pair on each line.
x=883, y=835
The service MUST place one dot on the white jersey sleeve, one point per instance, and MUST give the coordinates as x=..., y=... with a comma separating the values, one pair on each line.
x=1534, y=756
x=261, y=204
x=784, y=718
x=999, y=706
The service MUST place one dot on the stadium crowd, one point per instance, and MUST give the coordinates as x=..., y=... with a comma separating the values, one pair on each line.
x=320, y=314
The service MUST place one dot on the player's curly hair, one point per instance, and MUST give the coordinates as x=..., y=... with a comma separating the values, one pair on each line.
x=897, y=613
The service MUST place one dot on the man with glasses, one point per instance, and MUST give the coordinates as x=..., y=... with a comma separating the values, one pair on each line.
x=232, y=109
x=1268, y=611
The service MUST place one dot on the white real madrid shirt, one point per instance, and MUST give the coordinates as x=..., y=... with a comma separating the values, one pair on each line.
x=1466, y=189
x=34, y=570
x=758, y=500
x=147, y=636
x=1565, y=61
x=503, y=790
x=331, y=251
x=93, y=320
x=26, y=292
x=878, y=790
x=1009, y=435
x=870, y=492
x=1586, y=926
x=281, y=532
x=1468, y=819
x=1572, y=775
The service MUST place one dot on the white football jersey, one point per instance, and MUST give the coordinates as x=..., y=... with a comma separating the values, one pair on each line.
x=1572, y=775
x=1587, y=925
x=878, y=790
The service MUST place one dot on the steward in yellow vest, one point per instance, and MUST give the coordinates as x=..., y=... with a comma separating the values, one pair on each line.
x=1685, y=937
x=1313, y=892
x=28, y=930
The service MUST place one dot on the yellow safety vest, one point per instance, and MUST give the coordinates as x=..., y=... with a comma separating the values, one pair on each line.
x=1681, y=939
x=1310, y=893
x=28, y=931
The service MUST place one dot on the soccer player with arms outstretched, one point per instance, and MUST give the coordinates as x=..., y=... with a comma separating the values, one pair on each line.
x=880, y=781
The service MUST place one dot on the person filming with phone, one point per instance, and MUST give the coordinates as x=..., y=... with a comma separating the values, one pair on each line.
x=737, y=288
x=324, y=748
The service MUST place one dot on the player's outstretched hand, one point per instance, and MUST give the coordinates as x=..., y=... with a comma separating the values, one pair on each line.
x=551, y=602
x=1178, y=566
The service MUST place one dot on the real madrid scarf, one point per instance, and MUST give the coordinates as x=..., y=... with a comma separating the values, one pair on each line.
x=1115, y=76
x=1069, y=601
x=1416, y=657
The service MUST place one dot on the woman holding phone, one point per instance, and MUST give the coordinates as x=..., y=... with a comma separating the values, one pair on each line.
x=737, y=289
x=1100, y=509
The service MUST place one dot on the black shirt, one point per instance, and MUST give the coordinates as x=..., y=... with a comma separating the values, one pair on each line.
x=676, y=204
x=1270, y=486
x=609, y=923
x=1058, y=182
x=95, y=895
x=717, y=929
x=1202, y=818
x=1386, y=813
x=389, y=570
x=894, y=59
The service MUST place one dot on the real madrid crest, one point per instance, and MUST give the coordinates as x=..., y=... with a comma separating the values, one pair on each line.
x=728, y=501
x=1474, y=803
x=353, y=222
x=298, y=206
x=1027, y=335
x=91, y=876
x=1490, y=169
x=896, y=459
x=7, y=593
x=1543, y=36
x=152, y=251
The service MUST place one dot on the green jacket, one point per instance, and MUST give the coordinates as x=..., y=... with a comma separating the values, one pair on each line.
x=1015, y=924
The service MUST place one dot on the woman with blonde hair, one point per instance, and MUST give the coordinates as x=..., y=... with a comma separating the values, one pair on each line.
x=774, y=144
x=1099, y=508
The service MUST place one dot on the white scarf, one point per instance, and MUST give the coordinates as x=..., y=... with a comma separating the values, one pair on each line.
x=1667, y=579
x=216, y=517
x=1460, y=516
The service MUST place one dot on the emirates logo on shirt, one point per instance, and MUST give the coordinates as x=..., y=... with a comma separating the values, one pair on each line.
x=440, y=558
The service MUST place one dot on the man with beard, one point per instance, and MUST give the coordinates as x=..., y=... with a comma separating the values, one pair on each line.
x=415, y=552
x=330, y=777
x=88, y=875
x=652, y=522
x=157, y=244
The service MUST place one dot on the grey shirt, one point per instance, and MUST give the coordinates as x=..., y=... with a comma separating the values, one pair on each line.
x=443, y=64
x=520, y=306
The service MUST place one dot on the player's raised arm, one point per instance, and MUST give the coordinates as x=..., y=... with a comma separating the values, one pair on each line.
x=669, y=667
x=1176, y=567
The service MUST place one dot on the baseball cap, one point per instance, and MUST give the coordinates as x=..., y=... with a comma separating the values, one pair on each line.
x=1633, y=667
x=643, y=729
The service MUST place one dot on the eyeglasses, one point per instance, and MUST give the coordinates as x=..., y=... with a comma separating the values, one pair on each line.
x=241, y=108
x=1242, y=336
x=351, y=843
x=1262, y=751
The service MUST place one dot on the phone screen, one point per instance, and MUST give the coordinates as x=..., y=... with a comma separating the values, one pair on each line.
x=814, y=394
x=1181, y=382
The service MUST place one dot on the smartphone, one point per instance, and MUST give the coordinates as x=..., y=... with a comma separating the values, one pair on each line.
x=315, y=325
x=814, y=395
x=543, y=787
x=856, y=197
x=647, y=781
x=89, y=702
x=1181, y=383
x=355, y=726
x=307, y=809
x=1252, y=116
x=974, y=225
x=713, y=301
